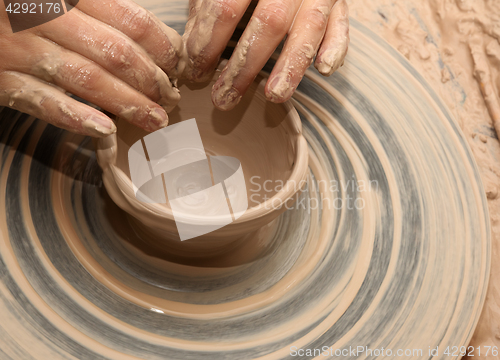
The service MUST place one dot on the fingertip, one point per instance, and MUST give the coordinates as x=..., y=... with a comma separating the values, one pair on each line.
x=225, y=97
x=169, y=95
x=149, y=118
x=330, y=60
x=279, y=88
x=98, y=126
x=336, y=41
x=169, y=104
x=324, y=69
x=273, y=97
x=157, y=119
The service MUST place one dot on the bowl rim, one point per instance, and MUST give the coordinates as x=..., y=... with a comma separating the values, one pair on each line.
x=107, y=147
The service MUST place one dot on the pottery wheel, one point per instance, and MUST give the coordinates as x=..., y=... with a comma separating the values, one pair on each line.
x=405, y=268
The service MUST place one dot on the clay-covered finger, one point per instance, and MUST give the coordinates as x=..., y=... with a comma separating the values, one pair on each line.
x=300, y=48
x=115, y=52
x=33, y=96
x=336, y=41
x=161, y=42
x=86, y=79
x=270, y=22
x=209, y=29
x=194, y=8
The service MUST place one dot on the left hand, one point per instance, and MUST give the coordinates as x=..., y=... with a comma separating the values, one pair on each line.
x=112, y=53
x=313, y=27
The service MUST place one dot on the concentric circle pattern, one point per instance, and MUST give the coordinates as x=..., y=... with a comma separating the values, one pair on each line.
x=388, y=247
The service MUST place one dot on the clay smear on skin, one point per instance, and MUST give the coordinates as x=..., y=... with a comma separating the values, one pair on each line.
x=199, y=37
x=298, y=55
x=29, y=95
x=331, y=59
x=173, y=51
x=226, y=95
x=113, y=45
x=50, y=66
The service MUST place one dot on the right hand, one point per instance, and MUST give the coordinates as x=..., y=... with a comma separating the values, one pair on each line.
x=314, y=28
x=112, y=53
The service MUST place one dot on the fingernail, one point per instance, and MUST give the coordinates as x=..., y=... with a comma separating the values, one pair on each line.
x=158, y=119
x=280, y=88
x=106, y=122
x=225, y=97
x=99, y=126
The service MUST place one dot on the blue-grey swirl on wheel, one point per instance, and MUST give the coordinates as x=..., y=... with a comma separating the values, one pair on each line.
x=406, y=270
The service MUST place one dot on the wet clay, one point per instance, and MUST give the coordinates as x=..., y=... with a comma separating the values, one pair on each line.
x=78, y=283
x=350, y=272
x=455, y=45
x=265, y=137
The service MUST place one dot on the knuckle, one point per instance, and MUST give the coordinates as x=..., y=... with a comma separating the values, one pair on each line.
x=316, y=19
x=140, y=23
x=275, y=17
x=121, y=55
x=85, y=76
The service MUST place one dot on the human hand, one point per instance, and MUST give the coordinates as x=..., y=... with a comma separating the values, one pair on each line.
x=318, y=24
x=109, y=52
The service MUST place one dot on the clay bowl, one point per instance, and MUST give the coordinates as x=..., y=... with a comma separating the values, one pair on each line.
x=265, y=137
